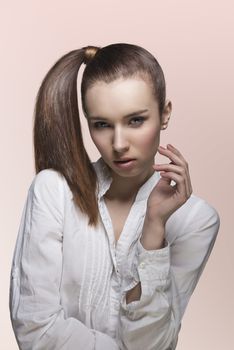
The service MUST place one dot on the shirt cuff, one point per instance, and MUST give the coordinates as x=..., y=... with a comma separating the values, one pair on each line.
x=153, y=267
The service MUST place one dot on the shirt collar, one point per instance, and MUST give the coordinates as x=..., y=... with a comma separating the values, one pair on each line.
x=105, y=179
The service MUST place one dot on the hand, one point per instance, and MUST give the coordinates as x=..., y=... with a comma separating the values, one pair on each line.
x=165, y=198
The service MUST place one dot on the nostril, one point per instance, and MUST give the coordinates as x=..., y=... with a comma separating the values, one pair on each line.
x=120, y=148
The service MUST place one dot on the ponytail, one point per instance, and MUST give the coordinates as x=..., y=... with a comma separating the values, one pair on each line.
x=58, y=142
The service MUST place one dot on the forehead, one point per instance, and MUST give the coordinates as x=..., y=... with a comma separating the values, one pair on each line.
x=122, y=96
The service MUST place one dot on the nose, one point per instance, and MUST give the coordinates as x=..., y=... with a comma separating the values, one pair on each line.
x=120, y=143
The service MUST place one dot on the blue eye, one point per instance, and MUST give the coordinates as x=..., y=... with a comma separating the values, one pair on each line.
x=100, y=125
x=137, y=121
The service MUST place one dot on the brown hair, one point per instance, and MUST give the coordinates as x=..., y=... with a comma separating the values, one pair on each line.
x=58, y=142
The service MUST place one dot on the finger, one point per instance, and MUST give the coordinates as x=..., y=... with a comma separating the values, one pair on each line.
x=176, y=169
x=180, y=184
x=170, y=167
x=177, y=152
x=175, y=157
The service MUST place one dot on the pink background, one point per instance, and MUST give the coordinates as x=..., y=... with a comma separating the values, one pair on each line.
x=193, y=41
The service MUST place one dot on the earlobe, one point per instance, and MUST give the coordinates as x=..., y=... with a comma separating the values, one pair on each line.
x=165, y=121
x=163, y=127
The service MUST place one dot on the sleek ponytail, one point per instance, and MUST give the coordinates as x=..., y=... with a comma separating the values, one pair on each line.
x=58, y=142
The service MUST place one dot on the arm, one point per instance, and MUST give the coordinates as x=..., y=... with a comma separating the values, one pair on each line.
x=168, y=277
x=148, y=242
x=38, y=318
x=192, y=248
x=147, y=319
x=153, y=316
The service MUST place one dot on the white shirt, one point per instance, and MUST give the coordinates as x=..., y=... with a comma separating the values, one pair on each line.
x=69, y=280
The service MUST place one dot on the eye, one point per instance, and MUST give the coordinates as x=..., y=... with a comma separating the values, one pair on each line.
x=136, y=121
x=100, y=125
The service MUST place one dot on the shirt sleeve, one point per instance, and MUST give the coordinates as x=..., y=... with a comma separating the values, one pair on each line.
x=38, y=319
x=168, y=278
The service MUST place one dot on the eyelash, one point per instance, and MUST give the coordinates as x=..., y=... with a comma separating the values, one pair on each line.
x=140, y=120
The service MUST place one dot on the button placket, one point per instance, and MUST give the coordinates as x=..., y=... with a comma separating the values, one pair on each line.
x=142, y=265
x=108, y=229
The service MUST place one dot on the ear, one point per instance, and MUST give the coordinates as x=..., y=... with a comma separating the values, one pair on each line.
x=166, y=114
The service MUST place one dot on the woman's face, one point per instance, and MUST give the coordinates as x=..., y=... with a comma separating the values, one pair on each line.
x=124, y=124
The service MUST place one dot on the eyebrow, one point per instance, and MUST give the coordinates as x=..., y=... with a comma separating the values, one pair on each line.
x=125, y=116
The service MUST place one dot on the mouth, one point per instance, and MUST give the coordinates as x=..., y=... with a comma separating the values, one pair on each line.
x=123, y=160
x=125, y=163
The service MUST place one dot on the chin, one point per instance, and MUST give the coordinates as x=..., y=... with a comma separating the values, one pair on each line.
x=133, y=173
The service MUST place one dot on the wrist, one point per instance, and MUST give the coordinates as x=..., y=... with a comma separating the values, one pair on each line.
x=153, y=219
x=153, y=234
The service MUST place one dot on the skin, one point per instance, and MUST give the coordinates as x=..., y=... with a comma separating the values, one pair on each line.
x=137, y=137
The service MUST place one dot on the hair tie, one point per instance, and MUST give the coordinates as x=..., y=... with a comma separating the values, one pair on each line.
x=90, y=52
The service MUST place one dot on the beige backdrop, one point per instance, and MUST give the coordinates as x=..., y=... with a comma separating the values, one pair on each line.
x=193, y=41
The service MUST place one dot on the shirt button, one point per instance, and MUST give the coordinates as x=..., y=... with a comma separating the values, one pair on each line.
x=142, y=265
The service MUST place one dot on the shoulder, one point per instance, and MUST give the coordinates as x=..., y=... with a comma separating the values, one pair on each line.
x=195, y=215
x=48, y=183
x=50, y=177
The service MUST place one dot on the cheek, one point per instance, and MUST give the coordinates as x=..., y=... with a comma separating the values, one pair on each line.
x=150, y=139
x=99, y=140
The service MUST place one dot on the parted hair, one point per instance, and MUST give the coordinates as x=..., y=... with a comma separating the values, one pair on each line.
x=57, y=136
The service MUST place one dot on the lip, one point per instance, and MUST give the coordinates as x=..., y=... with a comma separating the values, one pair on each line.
x=123, y=159
x=128, y=164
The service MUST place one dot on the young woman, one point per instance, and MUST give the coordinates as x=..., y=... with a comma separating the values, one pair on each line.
x=108, y=253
